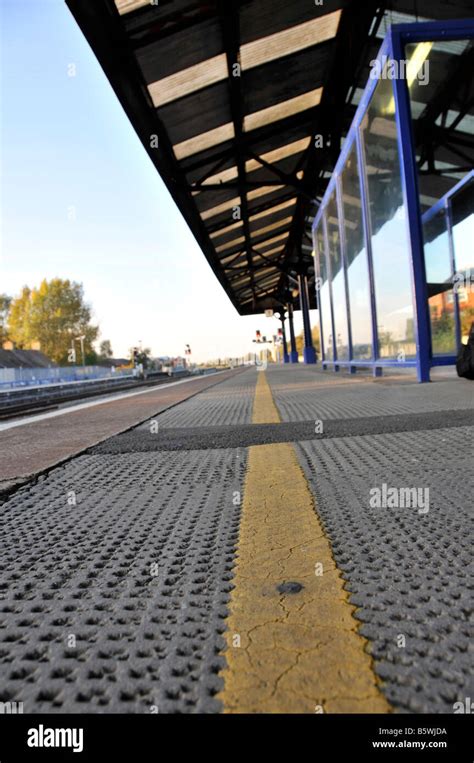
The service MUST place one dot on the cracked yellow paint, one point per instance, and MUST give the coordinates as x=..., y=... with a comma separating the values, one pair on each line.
x=264, y=409
x=290, y=653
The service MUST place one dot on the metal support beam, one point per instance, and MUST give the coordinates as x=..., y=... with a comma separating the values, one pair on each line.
x=309, y=353
x=214, y=168
x=231, y=185
x=288, y=179
x=286, y=357
x=411, y=198
x=294, y=351
x=257, y=281
x=230, y=23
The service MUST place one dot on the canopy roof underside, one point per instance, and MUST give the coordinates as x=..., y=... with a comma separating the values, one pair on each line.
x=229, y=98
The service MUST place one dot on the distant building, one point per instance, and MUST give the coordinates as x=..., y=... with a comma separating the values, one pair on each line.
x=113, y=362
x=166, y=362
x=11, y=358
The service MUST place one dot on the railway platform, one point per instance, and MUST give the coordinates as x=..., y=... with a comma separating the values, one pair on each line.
x=265, y=541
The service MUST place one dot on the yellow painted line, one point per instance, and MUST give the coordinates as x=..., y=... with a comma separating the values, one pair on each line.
x=264, y=409
x=291, y=652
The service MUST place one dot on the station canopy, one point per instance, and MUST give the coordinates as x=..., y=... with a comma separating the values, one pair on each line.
x=243, y=108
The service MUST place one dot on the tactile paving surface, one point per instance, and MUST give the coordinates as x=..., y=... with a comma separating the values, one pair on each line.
x=302, y=393
x=229, y=402
x=115, y=578
x=231, y=436
x=410, y=574
x=117, y=567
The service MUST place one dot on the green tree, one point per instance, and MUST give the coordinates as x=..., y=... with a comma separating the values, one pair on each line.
x=5, y=302
x=105, y=350
x=54, y=314
x=442, y=331
x=467, y=318
x=19, y=325
x=300, y=340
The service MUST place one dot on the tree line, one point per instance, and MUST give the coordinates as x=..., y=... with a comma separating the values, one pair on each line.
x=51, y=317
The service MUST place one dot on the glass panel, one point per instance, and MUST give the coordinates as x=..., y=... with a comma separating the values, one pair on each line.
x=356, y=255
x=390, y=245
x=463, y=237
x=434, y=67
x=337, y=281
x=440, y=285
x=324, y=299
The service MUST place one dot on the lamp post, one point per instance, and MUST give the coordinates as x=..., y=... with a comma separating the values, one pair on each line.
x=81, y=340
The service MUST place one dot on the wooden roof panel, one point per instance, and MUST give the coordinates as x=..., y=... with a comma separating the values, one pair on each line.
x=200, y=43
x=284, y=79
x=268, y=17
x=196, y=114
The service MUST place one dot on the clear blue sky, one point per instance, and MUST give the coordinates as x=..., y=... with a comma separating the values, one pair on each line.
x=69, y=151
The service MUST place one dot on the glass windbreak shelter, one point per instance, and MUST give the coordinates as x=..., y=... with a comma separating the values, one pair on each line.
x=448, y=232
x=393, y=236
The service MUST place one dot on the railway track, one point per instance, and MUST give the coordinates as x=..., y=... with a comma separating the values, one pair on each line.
x=56, y=399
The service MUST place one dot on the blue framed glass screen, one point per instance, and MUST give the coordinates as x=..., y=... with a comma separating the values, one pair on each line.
x=439, y=277
x=356, y=259
x=379, y=295
x=323, y=294
x=338, y=287
x=388, y=226
x=462, y=215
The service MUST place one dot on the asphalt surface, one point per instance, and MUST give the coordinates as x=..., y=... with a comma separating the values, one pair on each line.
x=305, y=392
x=116, y=572
x=38, y=443
x=228, y=404
x=115, y=578
x=117, y=564
x=409, y=573
x=148, y=438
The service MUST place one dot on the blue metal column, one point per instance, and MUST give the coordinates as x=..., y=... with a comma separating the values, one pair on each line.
x=329, y=274
x=452, y=255
x=318, y=297
x=411, y=200
x=309, y=353
x=294, y=351
x=364, y=191
x=286, y=357
x=342, y=239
